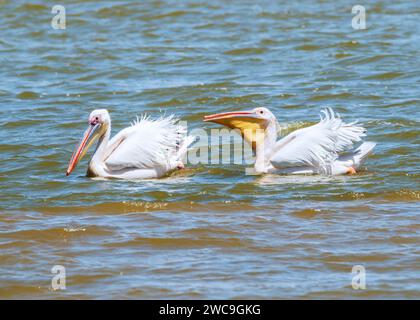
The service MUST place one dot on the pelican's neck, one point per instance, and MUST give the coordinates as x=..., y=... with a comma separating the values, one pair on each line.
x=264, y=146
x=96, y=163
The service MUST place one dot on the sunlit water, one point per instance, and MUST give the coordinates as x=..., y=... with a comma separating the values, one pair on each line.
x=209, y=231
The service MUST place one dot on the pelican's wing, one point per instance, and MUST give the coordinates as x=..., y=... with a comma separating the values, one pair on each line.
x=318, y=145
x=146, y=144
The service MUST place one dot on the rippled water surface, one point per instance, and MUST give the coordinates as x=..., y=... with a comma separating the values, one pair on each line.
x=209, y=231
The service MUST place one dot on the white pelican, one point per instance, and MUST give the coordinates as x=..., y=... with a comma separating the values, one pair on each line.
x=146, y=149
x=317, y=149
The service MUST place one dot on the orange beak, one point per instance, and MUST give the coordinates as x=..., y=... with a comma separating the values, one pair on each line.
x=83, y=146
x=247, y=122
x=227, y=115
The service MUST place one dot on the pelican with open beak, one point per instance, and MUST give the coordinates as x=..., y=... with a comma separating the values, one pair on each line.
x=318, y=149
x=146, y=149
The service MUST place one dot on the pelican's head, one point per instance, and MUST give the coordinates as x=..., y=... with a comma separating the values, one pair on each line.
x=252, y=124
x=98, y=124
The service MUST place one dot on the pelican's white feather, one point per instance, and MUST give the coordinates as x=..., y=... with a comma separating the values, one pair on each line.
x=146, y=144
x=318, y=145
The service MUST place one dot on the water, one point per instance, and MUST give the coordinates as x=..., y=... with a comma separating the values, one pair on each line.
x=209, y=231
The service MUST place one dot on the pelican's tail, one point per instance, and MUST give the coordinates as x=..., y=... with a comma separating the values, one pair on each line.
x=362, y=152
x=349, y=162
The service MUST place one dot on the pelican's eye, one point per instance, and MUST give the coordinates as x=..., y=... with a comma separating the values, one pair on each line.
x=94, y=120
x=261, y=111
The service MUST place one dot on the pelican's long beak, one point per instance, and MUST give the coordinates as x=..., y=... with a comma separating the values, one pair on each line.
x=89, y=137
x=249, y=123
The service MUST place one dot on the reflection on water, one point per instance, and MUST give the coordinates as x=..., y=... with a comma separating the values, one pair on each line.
x=208, y=231
x=305, y=180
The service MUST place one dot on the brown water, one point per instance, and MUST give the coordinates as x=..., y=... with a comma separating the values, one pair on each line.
x=209, y=231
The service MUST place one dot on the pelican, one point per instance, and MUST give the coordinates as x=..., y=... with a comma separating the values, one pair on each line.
x=324, y=148
x=146, y=149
